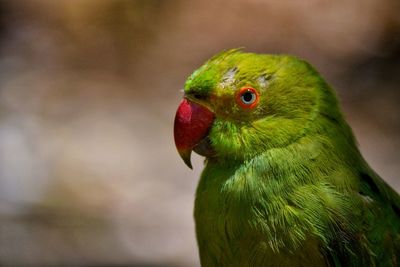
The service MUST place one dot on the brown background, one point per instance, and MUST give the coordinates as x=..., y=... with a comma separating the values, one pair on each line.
x=89, y=175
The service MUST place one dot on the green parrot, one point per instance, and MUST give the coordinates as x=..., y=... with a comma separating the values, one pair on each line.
x=284, y=183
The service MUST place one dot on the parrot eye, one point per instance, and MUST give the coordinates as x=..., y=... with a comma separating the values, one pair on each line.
x=247, y=97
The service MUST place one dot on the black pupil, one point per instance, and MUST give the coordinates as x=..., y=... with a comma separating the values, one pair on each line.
x=247, y=97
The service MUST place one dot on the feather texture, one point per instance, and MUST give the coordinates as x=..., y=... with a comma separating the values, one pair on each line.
x=287, y=185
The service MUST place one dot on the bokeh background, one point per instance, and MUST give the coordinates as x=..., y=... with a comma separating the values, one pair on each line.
x=89, y=175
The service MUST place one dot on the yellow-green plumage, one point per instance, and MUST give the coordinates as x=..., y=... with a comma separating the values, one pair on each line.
x=286, y=185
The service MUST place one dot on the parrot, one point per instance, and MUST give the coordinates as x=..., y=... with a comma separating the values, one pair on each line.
x=284, y=183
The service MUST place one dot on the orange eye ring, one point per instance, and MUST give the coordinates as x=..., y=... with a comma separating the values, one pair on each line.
x=247, y=97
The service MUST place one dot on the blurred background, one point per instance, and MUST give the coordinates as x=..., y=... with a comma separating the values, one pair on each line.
x=89, y=174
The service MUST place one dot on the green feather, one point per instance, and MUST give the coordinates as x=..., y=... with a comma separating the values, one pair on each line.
x=287, y=185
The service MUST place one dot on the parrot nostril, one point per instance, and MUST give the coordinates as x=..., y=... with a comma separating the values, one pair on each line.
x=197, y=95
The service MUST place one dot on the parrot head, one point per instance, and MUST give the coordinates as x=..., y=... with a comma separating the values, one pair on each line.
x=238, y=105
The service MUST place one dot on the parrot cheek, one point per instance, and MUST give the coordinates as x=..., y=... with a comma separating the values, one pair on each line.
x=191, y=126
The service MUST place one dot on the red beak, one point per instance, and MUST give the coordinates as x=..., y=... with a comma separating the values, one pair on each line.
x=192, y=123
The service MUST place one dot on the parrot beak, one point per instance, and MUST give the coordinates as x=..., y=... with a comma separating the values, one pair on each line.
x=191, y=126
